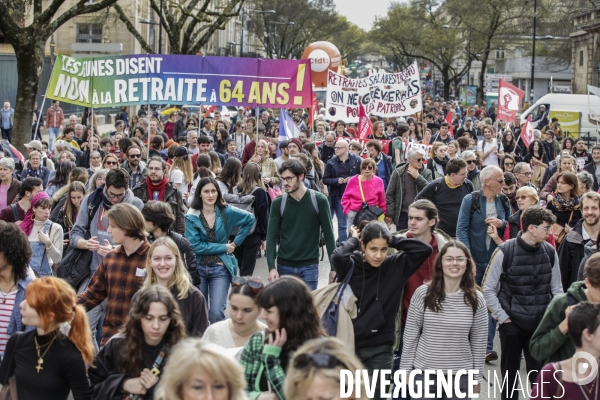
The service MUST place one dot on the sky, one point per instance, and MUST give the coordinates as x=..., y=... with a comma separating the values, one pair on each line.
x=362, y=12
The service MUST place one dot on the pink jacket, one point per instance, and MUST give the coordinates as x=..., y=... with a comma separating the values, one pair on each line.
x=373, y=190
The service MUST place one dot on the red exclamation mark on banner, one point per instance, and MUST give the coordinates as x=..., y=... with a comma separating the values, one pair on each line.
x=299, y=83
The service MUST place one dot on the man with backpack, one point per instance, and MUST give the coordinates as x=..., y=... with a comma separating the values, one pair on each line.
x=481, y=213
x=297, y=219
x=518, y=286
x=90, y=231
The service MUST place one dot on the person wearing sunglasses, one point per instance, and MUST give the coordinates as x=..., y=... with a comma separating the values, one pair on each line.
x=314, y=372
x=508, y=163
x=292, y=320
x=407, y=180
x=523, y=174
x=165, y=267
x=518, y=302
x=377, y=280
x=235, y=331
x=473, y=172
x=449, y=309
x=363, y=188
x=134, y=165
x=110, y=161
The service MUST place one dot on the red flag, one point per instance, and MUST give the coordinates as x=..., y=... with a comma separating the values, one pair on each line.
x=365, y=126
x=449, y=120
x=312, y=115
x=527, y=132
x=509, y=99
x=209, y=110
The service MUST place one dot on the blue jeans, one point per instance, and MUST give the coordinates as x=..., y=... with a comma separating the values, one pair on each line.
x=214, y=285
x=481, y=267
x=338, y=211
x=309, y=274
x=53, y=133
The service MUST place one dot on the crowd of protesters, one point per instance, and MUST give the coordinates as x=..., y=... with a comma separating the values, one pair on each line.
x=127, y=259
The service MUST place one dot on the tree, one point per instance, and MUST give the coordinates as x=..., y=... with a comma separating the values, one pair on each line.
x=188, y=24
x=29, y=42
x=493, y=24
x=416, y=31
x=294, y=25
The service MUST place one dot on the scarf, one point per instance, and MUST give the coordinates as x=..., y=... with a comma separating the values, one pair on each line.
x=106, y=204
x=451, y=186
x=159, y=187
x=560, y=204
x=34, y=173
x=441, y=162
x=27, y=224
x=472, y=174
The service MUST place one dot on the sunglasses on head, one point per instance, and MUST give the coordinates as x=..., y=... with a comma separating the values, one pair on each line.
x=255, y=285
x=320, y=360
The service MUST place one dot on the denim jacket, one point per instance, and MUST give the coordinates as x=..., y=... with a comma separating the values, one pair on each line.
x=16, y=324
x=196, y=234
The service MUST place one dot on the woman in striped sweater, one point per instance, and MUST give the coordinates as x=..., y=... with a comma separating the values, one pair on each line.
x=448, y=310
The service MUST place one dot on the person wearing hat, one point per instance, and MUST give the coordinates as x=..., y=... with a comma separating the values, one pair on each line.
x=467, y=128
x=542, y=117
x=9, y=185
x=36, y=145
x=294, y=146
x=551, y=146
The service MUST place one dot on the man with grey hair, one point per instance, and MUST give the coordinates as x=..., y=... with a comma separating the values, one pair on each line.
x=9, y=184
x=407, y=180
x=523, y=174
x=79, y=133
x=144, y=123
x=327, y=148
x=73, y=120
x=483, y=215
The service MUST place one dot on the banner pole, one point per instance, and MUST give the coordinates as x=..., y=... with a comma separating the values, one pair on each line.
x=37, y=124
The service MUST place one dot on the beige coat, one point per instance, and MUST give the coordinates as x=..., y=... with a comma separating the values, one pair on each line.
x=324, y=296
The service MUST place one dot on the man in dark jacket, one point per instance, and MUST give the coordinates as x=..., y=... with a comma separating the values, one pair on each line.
x=327, y=148
x=338, y=171
x=570, y=251
x=159, y=218
x=594, y=167
x=156, y=187
x=516, y=301
x=84, y=158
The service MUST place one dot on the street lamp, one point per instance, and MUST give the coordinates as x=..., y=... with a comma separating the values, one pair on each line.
x=289, y=23
x=250, y=11
x=159, y=23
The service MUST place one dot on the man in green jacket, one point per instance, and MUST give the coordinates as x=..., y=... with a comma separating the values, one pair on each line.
x=551, y=342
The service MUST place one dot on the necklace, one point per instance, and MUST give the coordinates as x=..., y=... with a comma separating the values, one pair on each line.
x=5, y=295
x=590, y=390
x=41, y=357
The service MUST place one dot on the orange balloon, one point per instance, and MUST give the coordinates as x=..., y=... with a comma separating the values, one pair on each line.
x=324, y=56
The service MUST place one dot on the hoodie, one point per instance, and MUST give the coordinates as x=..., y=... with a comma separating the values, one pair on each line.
x=378, y=289
x=548, y=343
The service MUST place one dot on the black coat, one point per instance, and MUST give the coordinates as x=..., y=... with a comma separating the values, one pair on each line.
x=570, y=254
x=172, y=198
x=591, y=168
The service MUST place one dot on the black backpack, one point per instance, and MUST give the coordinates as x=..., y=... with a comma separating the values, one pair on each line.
x=475, y=207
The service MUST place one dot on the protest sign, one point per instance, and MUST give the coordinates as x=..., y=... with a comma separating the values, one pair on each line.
x=384, y=94
x=180, y=79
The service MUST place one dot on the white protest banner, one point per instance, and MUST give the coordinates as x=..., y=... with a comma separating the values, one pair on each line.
x=385, y=95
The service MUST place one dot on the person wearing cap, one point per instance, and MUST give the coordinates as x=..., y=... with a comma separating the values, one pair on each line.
x=551, y=146
x=35, y=168
x=7, y=121
x=541, y=118
x=9, y=185
x=36, y=145
x=467, y=129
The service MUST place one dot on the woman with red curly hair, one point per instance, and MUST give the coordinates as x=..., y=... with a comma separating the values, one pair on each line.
x=50, y=361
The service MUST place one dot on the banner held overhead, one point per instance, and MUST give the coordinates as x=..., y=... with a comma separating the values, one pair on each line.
x=180, y=79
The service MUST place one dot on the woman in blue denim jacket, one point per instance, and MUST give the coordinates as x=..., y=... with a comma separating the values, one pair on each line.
x=210, y=223
x=15, y=275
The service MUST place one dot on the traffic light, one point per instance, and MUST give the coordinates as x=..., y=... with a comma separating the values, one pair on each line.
x=428, y=76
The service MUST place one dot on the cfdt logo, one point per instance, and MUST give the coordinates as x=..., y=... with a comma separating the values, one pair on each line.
x=319, y=60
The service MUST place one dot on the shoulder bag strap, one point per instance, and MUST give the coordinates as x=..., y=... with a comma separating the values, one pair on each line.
x=362, y=194
x=571, y=216
x=155, y=367
x=9, y=356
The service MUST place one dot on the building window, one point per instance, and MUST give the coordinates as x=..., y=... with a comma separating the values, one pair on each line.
x=581, y=58
x=89, y=33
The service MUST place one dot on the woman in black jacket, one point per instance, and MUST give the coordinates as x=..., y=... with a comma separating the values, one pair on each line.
x=164, y=267
x=124, y=365
x=377, y=281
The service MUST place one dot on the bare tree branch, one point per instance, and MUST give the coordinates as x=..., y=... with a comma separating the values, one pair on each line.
x=132, y=29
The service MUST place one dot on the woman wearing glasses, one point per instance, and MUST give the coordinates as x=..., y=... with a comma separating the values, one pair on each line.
x=314, y=372
x=292, y=320
x=448, y=310
x=110, y=161
x=508, y=162
x=526, y=197
x=363, y=188
x=472, y=168
x=164, y=267
x=377, y=279
x=234, y=332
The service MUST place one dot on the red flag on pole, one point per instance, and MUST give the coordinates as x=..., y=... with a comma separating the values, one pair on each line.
x=365, y=126
x=449, y=120
x=527, y=132
x=509, y=99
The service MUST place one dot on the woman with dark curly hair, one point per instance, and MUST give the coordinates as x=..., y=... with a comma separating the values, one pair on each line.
x=292, y=320
x=15, y=254
x=124, y=366
x=448, y=310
